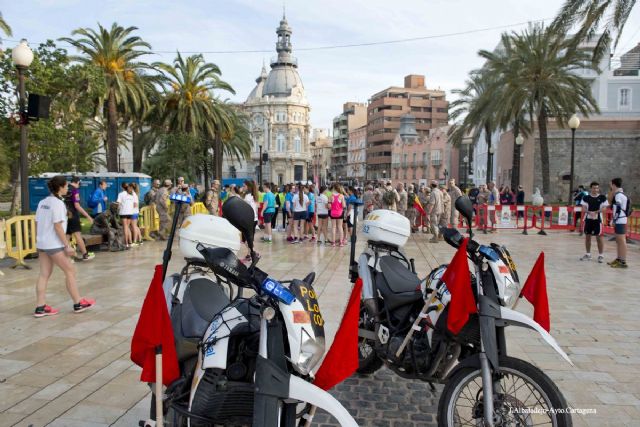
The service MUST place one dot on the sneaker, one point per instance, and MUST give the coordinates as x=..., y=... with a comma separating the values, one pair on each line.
x=268, y=241
x=293, y=241
x=433, y=240
x=87, y=257
x=84, y=304
x=289, y=239
x=313, y=239
x=586, y=257
x=600, y=259
x=618, y=264
x=45, y=310
x=135, y=244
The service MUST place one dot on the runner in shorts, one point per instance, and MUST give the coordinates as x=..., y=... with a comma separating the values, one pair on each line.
x=269, y=211
x=322, y=210
x=593, y=204
x=621, y=209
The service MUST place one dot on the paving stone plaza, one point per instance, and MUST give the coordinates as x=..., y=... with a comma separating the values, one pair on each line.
x=74, y=370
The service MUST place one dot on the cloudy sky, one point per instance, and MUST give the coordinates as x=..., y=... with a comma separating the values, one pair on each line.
x=330, y=76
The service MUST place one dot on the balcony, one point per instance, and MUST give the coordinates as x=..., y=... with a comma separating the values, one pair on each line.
x=436, y=162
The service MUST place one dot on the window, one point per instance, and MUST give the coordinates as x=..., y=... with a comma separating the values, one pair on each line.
x=297, y=144
x=624, y=98
x=256, y=143
x=405, y=159
x=280, y=142
x=424, y=157
x=280, y=179
x=414, y=158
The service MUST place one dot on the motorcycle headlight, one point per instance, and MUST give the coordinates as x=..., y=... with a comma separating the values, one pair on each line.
x=511, y=291
x=311, y=351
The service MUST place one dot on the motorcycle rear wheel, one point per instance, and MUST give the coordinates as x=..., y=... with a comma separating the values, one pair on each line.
x=543, y=404
x=368, y=360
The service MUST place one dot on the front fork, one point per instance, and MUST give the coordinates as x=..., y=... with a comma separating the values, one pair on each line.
x=492, y=346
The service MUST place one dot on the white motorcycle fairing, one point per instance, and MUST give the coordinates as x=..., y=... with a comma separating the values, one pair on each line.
x=519, y=319
x=304, y=391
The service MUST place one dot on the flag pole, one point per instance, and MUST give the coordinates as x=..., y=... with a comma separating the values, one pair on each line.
x=158, y=391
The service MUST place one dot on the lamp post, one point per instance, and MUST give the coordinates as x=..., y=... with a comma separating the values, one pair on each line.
x=574, y=123
x=260, y=165
x=465, y=175
x=384, y=175
x=22, y=57
x=490, y=171
x=516, y=165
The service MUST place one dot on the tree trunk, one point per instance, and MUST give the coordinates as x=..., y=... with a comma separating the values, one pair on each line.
x=205, y=166
x=15, y=189
x=138, y=149
x=487, y=138
x=515, y=171
x=544, y=151
x=112, y=133
x=217, y=157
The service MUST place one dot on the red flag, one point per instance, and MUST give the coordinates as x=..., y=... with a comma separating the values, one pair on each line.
x=342, y=359
x=535, y=291
x=154, y=329
x=458, y=281
x=418, y=206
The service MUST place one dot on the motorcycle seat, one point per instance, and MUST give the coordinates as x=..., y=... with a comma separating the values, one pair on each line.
x=399, y=278
x=203, y=299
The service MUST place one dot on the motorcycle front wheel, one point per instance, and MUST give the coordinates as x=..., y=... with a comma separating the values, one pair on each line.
x=527, y=397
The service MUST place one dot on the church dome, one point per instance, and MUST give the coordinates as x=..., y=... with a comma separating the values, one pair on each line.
x=282, y=79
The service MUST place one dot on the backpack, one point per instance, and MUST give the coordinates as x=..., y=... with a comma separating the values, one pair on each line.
x=336, y=206
x=388, y=197
x=629, y=210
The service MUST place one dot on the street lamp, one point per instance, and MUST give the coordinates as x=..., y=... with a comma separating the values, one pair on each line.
x=22, y=57
x=490, y=171
x=384, y=175
x=465, y=175
x=516, y=162
x=260, y=165
x=574, y=123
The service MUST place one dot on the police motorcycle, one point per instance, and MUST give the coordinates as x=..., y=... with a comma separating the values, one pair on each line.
x=244, y=360
x=403, y=326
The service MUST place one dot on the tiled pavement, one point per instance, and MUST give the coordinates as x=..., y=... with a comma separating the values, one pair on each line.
x=74, y=370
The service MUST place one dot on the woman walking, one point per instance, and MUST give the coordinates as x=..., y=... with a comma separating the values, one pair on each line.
x=54, y=249
x=336, y=213
x=135, y=230
x=126, y=210
x=322, y=210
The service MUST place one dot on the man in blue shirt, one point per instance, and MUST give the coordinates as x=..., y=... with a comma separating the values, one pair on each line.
x=98, y=199
x=194, y=192
x=269, y=206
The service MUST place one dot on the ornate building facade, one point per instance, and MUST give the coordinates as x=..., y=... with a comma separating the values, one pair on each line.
x=278, y=113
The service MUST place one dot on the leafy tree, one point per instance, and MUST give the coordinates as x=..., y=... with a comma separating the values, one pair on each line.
x=115, y=53
x=604, y=17
x=177, y=154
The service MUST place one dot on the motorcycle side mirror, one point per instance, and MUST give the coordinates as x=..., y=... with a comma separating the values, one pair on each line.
x=465, y=207
x=240, y=214
x=451, y=236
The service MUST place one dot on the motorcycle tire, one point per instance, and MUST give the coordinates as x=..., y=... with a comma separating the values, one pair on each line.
x=367, y=363
x=518, y=367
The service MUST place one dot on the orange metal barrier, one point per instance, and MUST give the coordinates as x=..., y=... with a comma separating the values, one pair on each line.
x=20, y=237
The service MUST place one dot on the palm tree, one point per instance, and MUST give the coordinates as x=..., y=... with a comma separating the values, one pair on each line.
x=607, y=17
x=115, y=52
x=544, y=70
x=4, y=26
x=508, y=99
x=190, y=106
x=471, y=115
x=234, y=138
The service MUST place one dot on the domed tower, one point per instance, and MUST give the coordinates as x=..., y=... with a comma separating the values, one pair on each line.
x=279, y=118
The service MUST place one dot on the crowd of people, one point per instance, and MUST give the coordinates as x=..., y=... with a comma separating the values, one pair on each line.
x=303, y=213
